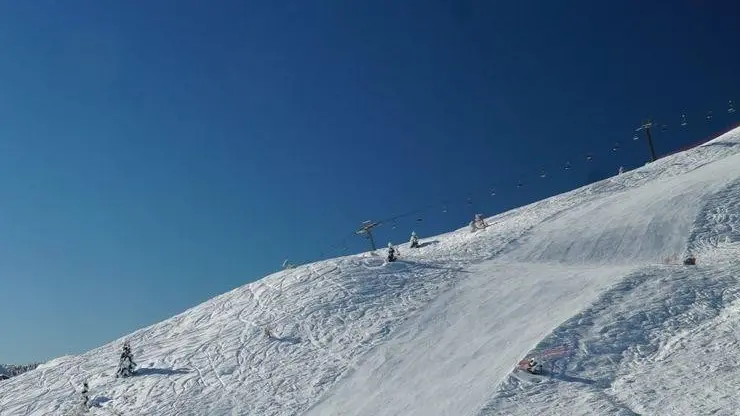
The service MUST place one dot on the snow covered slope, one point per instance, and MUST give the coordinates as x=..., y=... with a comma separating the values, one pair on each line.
x=439, y=332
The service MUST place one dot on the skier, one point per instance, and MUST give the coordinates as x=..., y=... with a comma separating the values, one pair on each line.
x=690, y=261
x=414, y=241
x=392, y=253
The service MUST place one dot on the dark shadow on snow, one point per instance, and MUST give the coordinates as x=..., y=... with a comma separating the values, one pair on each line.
x=434, y=266
x=98, y=401
x=573, y=379
x=569, y=379
x=161, y=371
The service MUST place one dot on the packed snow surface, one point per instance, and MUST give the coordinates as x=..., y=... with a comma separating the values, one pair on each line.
x=589, y=281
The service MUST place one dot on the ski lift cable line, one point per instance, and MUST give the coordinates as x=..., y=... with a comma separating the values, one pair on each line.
x=520, y=179
x=468, y=196
x=524, y=178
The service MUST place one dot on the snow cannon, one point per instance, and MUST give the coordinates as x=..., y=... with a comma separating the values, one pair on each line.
x=530, y=365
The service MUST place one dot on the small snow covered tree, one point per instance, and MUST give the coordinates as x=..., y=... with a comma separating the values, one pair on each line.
x=480, y=222
x=85, y=396
x=414, y=241
x=126, y=366
x=392, y=253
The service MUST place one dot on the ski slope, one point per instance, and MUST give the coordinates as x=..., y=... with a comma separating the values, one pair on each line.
x=439, y=332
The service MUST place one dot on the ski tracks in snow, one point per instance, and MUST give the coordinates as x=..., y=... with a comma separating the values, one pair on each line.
x=619, y=346
x=331, y=318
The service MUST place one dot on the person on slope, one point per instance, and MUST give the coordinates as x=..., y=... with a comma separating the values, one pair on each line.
x=392, y=253
x=414, y=241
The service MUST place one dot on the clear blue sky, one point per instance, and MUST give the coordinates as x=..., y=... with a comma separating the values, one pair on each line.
x=155, y=154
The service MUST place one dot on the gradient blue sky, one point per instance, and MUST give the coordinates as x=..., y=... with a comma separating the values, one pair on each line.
x=155, y=154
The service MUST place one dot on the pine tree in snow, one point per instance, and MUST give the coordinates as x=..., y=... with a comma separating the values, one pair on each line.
x=414, y=241
x=85, y=396
x=126, y=366
x=392, y=253
x=478, y=223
